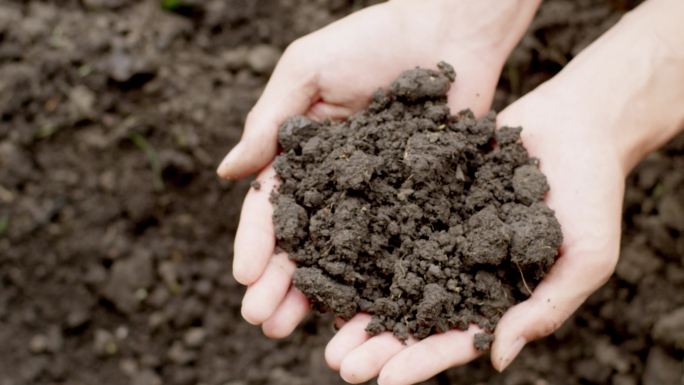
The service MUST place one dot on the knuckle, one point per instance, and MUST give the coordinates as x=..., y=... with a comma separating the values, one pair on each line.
x=295, y=48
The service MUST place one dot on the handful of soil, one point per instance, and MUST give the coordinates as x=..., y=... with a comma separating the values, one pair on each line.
x=425, y=220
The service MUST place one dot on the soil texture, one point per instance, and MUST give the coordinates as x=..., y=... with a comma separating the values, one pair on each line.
x=113, y=117
x=425, y=220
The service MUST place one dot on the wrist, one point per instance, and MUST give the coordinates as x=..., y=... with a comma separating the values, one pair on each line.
x=659, y=95
x=629, y=84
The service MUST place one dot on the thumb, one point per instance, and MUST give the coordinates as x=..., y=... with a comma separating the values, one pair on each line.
x=575, y=275
x=290, y=91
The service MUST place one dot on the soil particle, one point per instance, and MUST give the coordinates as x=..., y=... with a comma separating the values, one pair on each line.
x=38, y=344
x=112, y=4
x=126, y=278
x=195, y=105
x=194, y=337
x=529, y=184
x=329, y=293
x=483, y=341
x=487, y=240
x=592, y=371
x=180, y=355
x=610, y=355
x=662, y=369
x=623, y=379
x=256, y=185
x=124, y=67
x=425, y=220
x=671, y=209
x=669, y=329
x=146, y=377
x=104, y=343
x=637, y=260
x=263, y=58
x=296, y=131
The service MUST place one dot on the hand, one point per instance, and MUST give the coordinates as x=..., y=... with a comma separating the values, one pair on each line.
x=585, y=174
x=331, y=74
x=588, y=126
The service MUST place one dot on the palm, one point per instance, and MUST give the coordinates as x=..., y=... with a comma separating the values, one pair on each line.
x=331, y=74
x=350, y=59
x=571, y=158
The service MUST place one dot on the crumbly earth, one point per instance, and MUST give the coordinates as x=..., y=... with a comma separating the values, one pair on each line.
x=425, y=220
x=79, y=209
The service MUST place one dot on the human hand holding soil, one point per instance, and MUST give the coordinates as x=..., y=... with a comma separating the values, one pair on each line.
x=628, y=107
x=333, y=73
x=617, y=101
x=628, y=88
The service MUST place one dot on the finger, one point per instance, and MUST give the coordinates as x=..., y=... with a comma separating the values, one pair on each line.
x=290, y=91
x=255, y=238
x=430, y=356
x=287, y=316
x=571, y=280
x=263, y=297
x=321, y=110
x=351, y=335
x=365, y=362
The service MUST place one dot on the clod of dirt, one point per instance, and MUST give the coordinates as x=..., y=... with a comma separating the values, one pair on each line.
x=426, y=221
x=128, y=69
x=669, y=329
x=661, y=368
x=126, y=278
x=483, y=341
x=263, y=58
x=112, y=4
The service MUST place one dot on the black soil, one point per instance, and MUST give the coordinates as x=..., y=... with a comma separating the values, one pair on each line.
x=425, y=220
x=81, y=203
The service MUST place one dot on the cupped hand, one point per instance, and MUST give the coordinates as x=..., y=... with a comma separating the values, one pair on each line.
x=585, y=173
x=331, y=74
x=588, y=126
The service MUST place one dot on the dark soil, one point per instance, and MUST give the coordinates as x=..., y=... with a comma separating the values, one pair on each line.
x=425, y=220
x=113, y=117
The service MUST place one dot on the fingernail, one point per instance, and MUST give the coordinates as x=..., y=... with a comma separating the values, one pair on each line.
x=224, y=167
x=512, y=352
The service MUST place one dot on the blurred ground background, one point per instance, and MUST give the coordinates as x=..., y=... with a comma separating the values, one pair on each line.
x=115, y=235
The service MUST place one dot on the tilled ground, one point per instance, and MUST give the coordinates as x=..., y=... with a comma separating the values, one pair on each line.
x=114, y=232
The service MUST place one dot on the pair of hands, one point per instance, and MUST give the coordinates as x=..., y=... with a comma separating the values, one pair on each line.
x=332, y=73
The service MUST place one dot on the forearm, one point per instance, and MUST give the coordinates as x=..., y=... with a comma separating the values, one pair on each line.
x=632, y=79
x=662, y=98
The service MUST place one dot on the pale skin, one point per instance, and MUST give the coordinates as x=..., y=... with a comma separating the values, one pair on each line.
x=619, y=99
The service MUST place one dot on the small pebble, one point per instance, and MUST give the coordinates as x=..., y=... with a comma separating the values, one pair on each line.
x=262, y=59
x=194, y=337
x=38, y=344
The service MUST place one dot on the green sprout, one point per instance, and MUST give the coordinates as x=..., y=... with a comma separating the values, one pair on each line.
x=171, y=5
x=142, y=143
x=4, y=224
